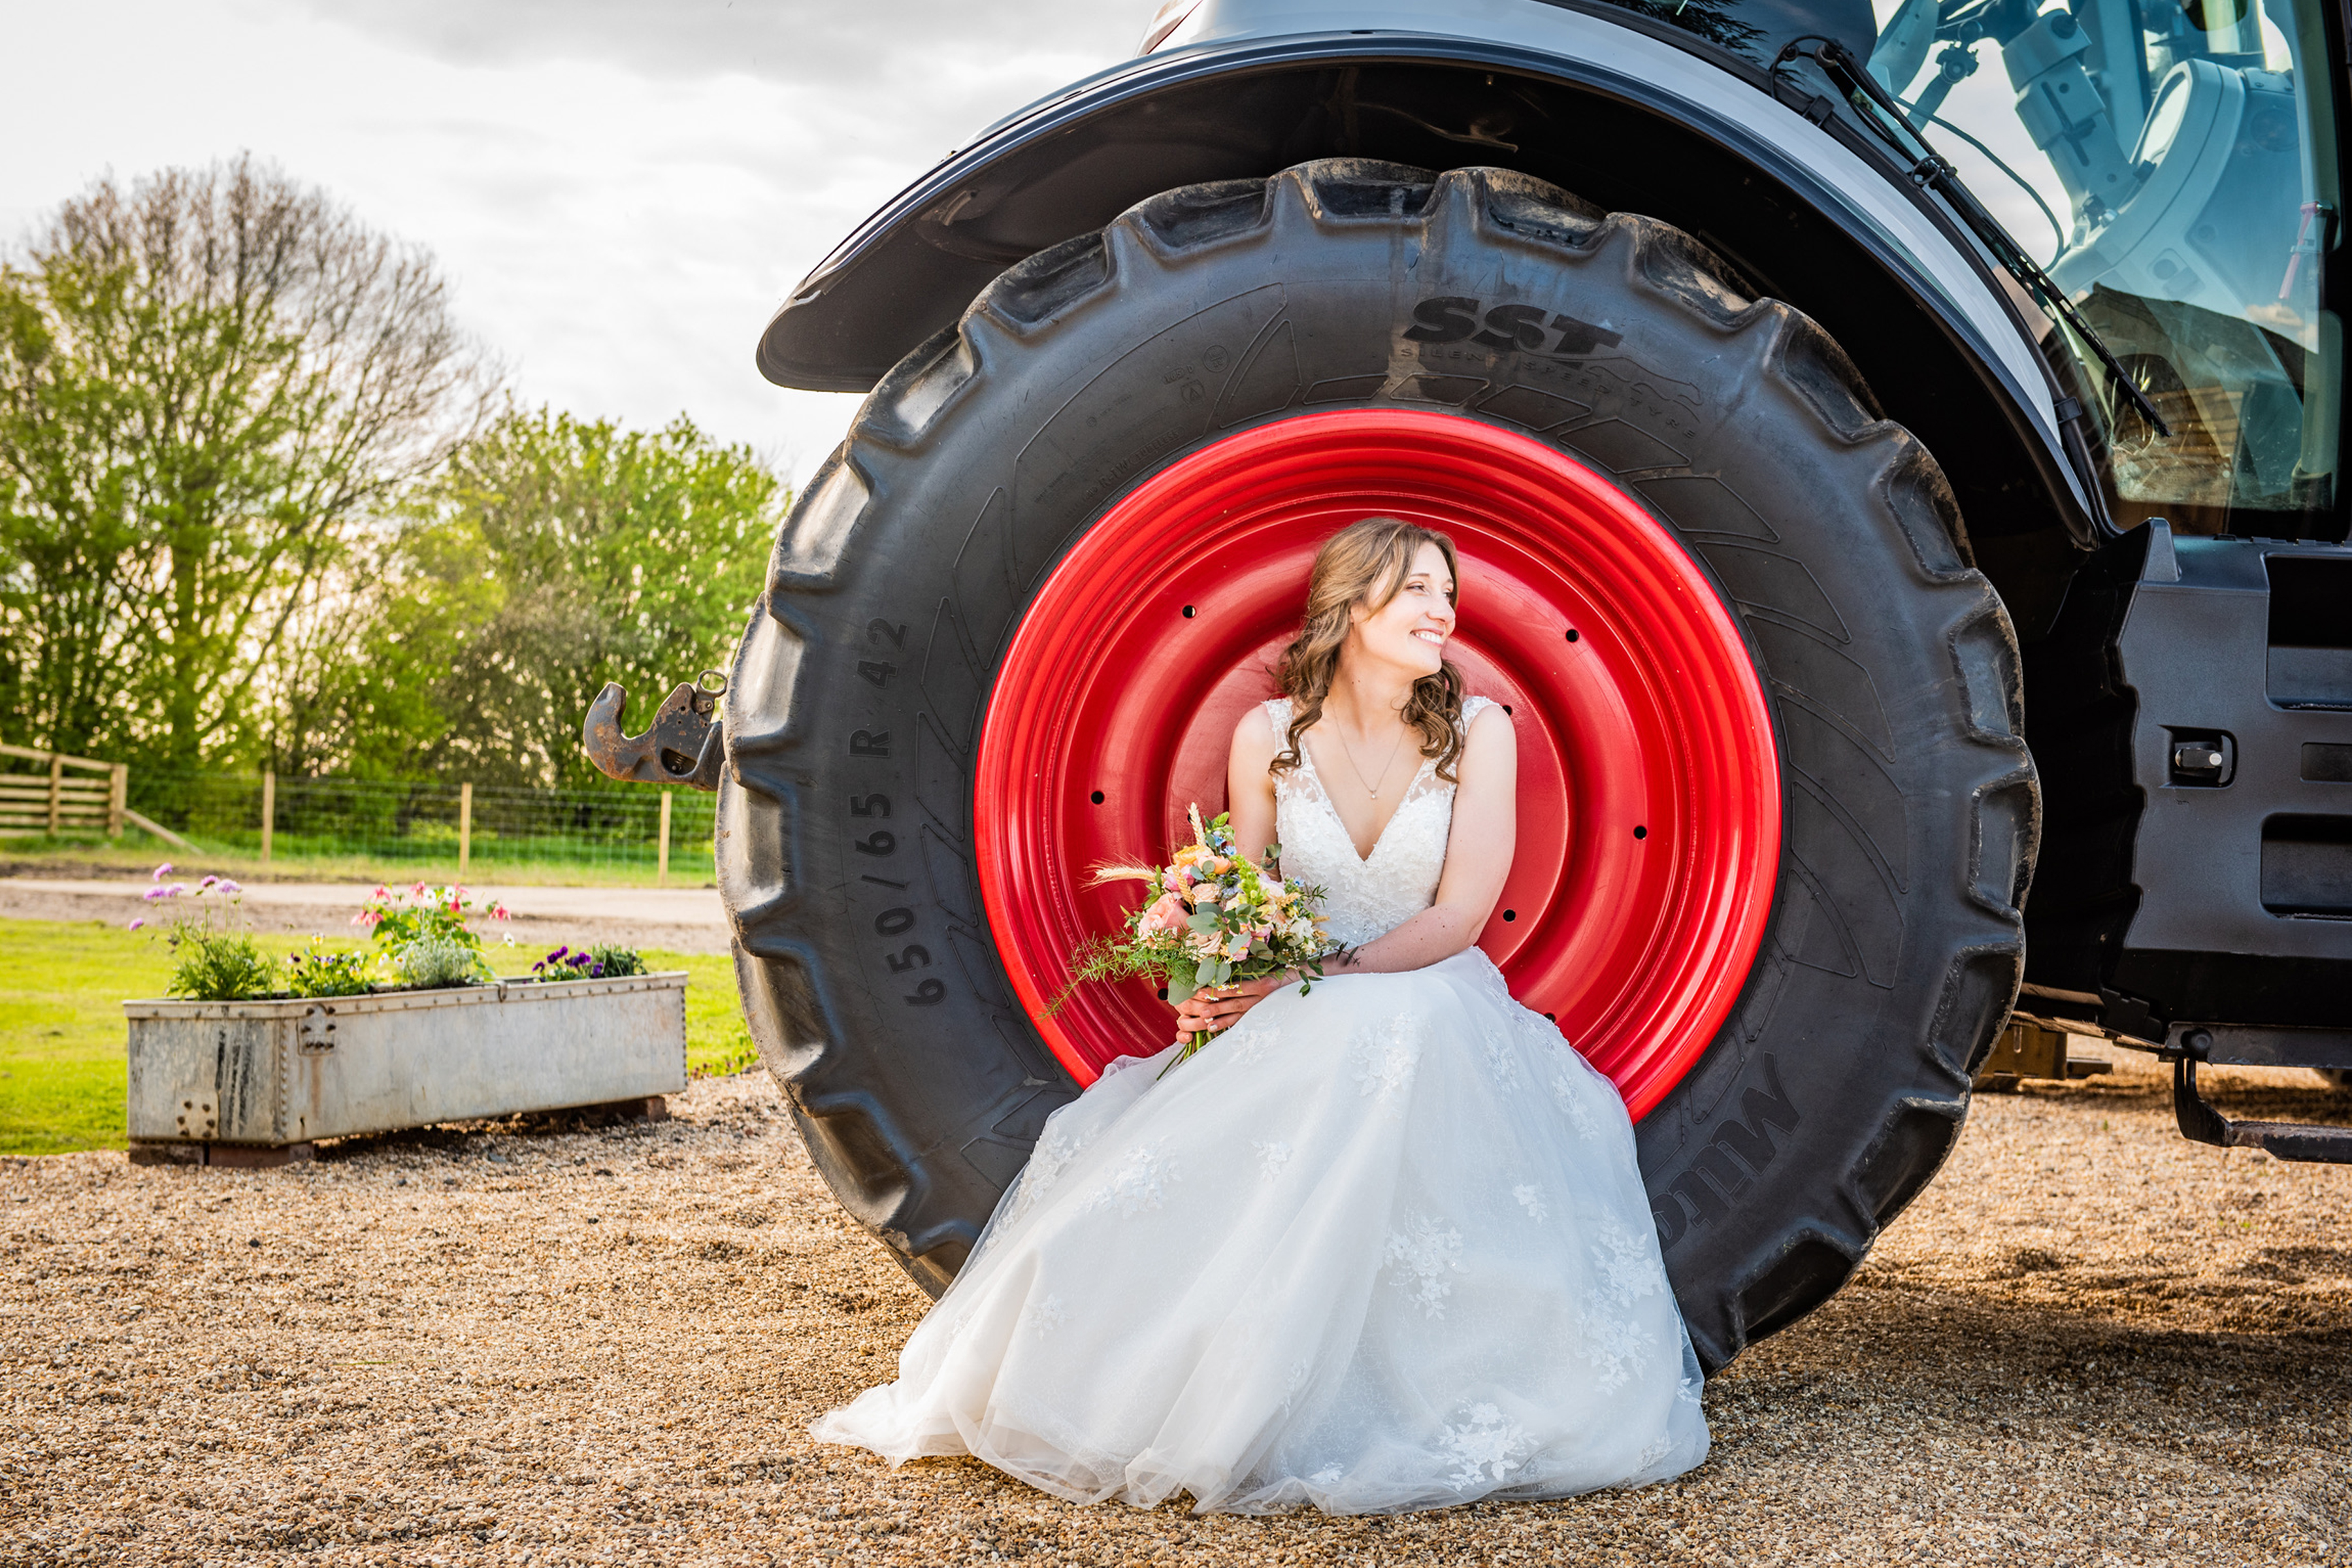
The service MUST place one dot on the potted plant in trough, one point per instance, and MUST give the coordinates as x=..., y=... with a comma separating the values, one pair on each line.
x=232, y=1068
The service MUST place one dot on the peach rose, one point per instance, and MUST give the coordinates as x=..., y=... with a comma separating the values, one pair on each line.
x=1166, y=913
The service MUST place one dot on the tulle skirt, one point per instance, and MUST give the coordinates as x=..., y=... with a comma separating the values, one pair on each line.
x=1377, y=1248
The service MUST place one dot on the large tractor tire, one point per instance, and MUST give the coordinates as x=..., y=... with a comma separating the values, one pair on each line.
x=1777, y=819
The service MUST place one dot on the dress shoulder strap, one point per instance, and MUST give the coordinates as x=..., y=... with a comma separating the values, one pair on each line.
x=1471, y=707
x=1278, y=713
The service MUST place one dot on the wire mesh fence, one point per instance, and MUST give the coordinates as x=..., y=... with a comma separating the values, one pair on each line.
x=477, y=830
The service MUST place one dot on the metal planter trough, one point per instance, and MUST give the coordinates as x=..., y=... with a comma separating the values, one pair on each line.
x=255, y=1083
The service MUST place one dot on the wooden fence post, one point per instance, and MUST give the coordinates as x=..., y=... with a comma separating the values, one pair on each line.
x=465, y=826
x=57, y=781
x=269, y=809
x=118, y=796
x=661, y=878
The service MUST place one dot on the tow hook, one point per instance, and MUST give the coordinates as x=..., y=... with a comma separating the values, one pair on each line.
x=684, y=745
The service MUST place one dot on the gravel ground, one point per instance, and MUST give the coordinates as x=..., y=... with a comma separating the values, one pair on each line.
x=2089, y=1341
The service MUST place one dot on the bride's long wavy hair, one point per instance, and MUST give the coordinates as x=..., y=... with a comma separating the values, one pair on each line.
x=1366, y=564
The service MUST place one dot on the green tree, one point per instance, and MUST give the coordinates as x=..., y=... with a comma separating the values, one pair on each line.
x=209, y=383
x=550, y=556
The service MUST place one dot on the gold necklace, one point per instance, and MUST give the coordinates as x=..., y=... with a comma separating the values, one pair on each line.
x=1350, y=751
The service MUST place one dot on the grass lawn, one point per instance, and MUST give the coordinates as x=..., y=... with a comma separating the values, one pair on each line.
x=63, y=982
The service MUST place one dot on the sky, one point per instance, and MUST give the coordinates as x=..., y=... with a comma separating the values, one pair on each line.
x=620, y=192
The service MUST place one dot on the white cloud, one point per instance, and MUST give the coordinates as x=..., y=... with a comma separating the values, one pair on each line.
x=620, y=190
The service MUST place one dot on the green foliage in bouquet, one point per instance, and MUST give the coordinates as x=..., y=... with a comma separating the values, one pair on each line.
x=1218, y=918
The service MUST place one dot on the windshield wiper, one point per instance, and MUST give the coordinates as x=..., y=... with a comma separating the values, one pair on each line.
x=1931, y=170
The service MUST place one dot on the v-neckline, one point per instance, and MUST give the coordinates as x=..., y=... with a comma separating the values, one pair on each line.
x=1323, y=791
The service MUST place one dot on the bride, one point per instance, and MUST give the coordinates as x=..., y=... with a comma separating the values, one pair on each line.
x=1379, y=1248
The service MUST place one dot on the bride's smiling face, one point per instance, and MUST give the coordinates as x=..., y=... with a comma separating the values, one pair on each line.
x=1411, y=630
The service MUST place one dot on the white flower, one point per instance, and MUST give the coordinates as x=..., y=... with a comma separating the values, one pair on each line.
x=1531, y=1200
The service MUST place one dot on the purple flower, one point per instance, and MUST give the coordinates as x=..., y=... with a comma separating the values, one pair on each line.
x=228, y=886
x=137, y=923
x=175, y=889
x=557, y=956
x=207, y=882
x=161, y=872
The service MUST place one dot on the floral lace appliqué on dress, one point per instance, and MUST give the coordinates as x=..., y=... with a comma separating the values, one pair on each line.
x=1485, y=1446
x=1140, y=1181
x=1423, y=1254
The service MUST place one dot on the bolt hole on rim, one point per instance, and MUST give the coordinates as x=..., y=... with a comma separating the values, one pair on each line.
x=1638, y=955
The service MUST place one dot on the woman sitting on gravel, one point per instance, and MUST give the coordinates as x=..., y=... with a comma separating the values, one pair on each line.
x=1381, y=1247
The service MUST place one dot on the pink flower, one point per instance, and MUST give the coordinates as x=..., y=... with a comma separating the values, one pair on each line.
x=207, y=882
x=161, y=872
x=1166, y=913
x=137, y=923
x=228, y=886
x=380, y=891
x=418, y=891
x=152, y=894
x=175, y=889
x=499, y=912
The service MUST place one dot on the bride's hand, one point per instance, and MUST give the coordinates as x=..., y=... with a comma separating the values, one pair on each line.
x=1218, y=1008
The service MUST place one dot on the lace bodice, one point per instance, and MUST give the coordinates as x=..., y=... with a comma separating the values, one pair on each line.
x=1363, y=895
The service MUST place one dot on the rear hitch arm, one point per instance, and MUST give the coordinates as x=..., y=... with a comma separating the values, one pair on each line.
x=685, y=743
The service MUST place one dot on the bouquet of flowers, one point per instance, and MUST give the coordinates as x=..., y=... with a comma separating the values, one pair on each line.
x=1217, y=918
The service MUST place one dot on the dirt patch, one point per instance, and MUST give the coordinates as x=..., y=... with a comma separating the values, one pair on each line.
x=2089, y=1341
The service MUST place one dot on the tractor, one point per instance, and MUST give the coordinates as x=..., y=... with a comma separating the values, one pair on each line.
x=1893, y=451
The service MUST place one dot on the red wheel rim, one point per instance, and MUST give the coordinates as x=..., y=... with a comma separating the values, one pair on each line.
x=1649, y=796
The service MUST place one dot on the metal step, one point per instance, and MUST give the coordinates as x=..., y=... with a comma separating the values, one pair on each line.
x=2280, y=1140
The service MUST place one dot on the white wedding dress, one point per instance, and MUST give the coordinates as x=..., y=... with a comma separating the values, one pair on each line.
x=1380, y=1247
